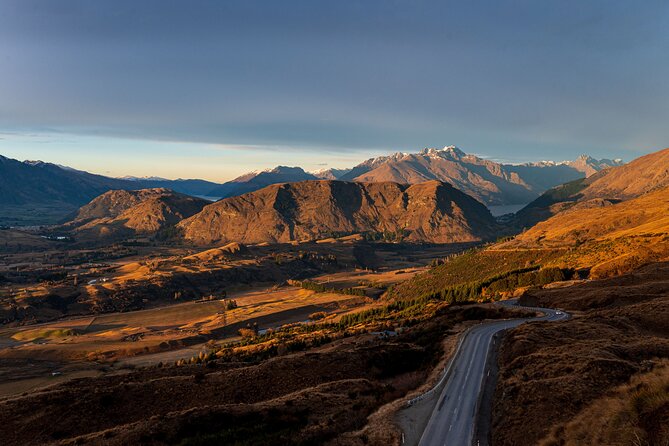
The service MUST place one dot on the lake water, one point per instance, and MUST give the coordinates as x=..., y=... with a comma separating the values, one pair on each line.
x=208, y=198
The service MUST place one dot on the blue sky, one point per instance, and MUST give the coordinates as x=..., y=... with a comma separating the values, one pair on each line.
x=213, y=89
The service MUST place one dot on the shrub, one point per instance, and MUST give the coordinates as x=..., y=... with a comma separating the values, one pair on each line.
x=318, y=315
x=321, y=288
x=247, y=333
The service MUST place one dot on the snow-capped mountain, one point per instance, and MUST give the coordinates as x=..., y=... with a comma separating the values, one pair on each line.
x=490, y=182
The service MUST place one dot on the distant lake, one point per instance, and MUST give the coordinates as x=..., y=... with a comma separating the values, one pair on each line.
x=205, y=197
x=507, y=209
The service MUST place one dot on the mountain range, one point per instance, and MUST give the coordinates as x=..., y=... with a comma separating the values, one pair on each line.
x=253, y=181
x=489, y=182
x=32, y=187
x=36, y=182
x=31, y=184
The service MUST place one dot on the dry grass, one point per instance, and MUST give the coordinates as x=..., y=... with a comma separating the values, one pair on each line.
x=551, y=373
x=646, y=215
x=635, y=414
x=116, y=335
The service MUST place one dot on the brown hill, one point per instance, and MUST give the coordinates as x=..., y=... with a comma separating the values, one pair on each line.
x=431, y=212
x=122, y=213
x=642, y=175
x=598, y=218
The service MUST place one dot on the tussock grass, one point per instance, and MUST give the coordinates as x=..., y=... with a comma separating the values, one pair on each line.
x=635, y=414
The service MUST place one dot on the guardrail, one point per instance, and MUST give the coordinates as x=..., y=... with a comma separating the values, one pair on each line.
x=447, y=369
x=446, y=373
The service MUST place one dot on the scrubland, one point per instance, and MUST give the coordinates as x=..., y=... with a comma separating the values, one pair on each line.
x=582, y=381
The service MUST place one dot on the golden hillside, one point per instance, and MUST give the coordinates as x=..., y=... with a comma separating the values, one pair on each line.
x=642, y=175
x=145, y=211
x=598, y=219
x=310, y=210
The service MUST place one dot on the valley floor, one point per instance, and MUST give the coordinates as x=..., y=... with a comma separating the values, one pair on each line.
x=147, y=337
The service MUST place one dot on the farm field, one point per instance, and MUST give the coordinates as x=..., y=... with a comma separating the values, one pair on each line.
x=112, y=342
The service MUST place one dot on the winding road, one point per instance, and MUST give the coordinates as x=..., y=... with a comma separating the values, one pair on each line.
x=454, y=416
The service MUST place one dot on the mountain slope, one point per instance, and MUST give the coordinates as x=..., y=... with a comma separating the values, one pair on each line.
x=125, y=213
x=35, y=192
x=432, y=211
x=642, y=175
x=330, y=174
x=598, y=218
x=37, y=182
x=253, y=181
x=490, y=182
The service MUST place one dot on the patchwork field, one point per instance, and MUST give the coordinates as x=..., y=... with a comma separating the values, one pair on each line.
x=107, y=343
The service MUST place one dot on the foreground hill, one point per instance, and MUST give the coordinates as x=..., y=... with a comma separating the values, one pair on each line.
x=122, y=213
x=490, y=182
x=642, y=175
x=601, y=378
x=427, y=212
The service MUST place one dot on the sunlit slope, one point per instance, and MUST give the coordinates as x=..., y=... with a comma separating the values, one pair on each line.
x=645, y=174
x=310, y=210
x=598, y=219
x=120, y=212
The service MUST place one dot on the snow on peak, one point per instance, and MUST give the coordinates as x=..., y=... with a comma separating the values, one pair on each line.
x=35, y=163
x=447, y=151
x=148, y=178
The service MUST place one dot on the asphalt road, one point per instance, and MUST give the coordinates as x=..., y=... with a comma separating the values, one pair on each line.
x=454, y=416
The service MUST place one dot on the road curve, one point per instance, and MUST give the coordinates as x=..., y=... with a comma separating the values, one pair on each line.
x=453, y=419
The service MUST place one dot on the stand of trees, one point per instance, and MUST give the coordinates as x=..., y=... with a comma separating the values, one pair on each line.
x=321, y=288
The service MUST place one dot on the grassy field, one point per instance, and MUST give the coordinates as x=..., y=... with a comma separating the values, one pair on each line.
x=167, y=333
x=126, y=334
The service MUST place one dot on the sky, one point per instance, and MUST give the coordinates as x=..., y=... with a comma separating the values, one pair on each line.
x=212, y=89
